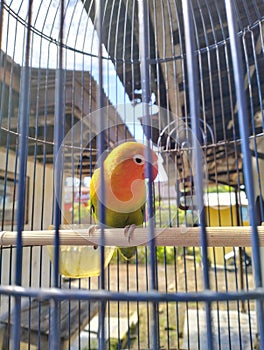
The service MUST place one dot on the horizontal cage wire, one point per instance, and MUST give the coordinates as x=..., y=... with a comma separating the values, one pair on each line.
x=131, y=174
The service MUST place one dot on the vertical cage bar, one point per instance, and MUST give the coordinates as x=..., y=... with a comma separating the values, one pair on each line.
x=100, y=142
x=192, y=71
x=58, y=180
x=58, y=138
x=248, y=174
x=146, y=98
x=22, y=156
x=1, y=21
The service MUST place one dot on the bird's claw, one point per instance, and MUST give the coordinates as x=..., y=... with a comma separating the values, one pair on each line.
x=128, y=231
x=91, y=231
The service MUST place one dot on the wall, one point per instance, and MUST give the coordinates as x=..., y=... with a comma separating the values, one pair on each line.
x=36, y=262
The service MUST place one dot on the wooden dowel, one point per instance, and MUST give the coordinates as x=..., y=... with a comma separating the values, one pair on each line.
x=230, y=236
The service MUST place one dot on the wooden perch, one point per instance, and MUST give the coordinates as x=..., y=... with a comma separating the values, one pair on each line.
x=230, y=236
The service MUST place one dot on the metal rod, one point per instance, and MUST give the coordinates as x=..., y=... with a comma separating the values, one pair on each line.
x=100, y=142
x=145, y=85
x=22, y=156
x=192, y=71
x=241, y=252
x=59, y=294
x=58, y=138
x=1, y=21
x=58, y=180
x=247, y=166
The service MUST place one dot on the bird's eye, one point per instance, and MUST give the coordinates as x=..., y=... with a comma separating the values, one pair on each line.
x=138, y=159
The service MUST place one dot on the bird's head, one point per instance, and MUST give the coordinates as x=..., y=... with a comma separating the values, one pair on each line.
x=126, y=168
x=130, y=159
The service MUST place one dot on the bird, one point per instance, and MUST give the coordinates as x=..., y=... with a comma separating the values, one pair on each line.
x=125, y=189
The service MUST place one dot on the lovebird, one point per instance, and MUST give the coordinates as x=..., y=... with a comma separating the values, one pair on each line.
x=125, y=189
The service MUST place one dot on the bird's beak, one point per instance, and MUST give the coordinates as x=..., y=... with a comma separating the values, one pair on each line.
x=154, y=168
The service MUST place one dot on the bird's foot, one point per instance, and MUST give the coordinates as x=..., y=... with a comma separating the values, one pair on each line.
x=91, y=231
x=128, y=231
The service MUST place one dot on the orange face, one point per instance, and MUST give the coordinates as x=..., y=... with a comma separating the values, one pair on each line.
x=132, y=172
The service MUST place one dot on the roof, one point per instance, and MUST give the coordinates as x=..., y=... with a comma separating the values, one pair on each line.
x=168, y=71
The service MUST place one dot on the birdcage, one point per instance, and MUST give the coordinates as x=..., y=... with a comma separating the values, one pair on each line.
x=184, y=81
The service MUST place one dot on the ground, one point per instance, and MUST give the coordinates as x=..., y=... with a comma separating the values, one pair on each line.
x=184, y=275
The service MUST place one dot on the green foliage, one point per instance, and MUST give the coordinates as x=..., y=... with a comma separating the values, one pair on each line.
x=166, y=254
x=163, y=254
x=195, y=252
x=169, y=215
x=81, y=213
x=220, y=189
